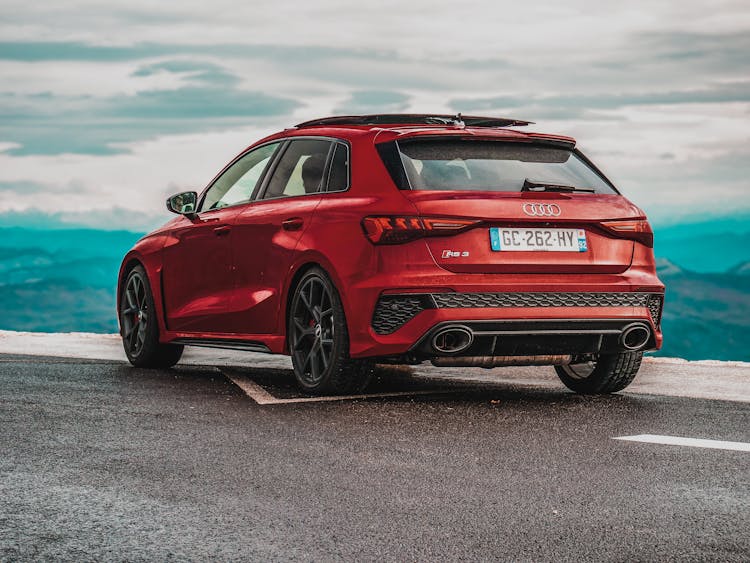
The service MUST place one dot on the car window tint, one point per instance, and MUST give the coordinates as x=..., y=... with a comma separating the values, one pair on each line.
x=338, y=180
x=300, y=169
x=239, y=181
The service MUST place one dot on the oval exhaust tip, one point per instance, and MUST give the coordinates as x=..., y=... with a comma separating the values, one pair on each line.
x=452, y=340
x=635, y=337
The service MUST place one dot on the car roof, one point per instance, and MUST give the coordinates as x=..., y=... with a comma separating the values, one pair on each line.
x=395, y=119
x=388, y=127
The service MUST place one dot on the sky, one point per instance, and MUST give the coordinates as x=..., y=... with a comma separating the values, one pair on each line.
x=106, y=108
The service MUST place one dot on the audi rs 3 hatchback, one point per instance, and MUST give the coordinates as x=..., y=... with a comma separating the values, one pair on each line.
x=346, y=241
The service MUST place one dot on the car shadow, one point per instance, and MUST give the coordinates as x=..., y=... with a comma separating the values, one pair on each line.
x=401, y=383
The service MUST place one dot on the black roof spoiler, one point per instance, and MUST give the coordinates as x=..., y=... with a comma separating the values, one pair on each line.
x=416, y=119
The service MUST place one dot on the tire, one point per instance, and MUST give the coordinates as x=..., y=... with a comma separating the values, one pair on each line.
x=319, y=339
x=609, y=373
x=139, y=326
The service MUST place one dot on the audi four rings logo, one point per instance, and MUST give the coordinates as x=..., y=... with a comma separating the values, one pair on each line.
x=542, y=209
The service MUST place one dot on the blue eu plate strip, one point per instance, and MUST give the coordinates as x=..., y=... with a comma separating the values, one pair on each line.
x=582, y=241
x=495, y=238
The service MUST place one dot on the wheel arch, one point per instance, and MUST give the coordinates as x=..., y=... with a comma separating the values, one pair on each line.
x=291, y=288
x=297, y=274
x=152, y=266
x=129, y=263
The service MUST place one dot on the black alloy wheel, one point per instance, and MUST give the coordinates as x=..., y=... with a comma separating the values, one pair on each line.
x=139, y=327
x=319, y=339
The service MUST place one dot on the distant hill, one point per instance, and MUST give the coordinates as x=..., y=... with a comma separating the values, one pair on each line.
x=60, y=280
x=666, y=267
x=69, y=243
x=706, y=316
x=687, y=227
x=716, y=252
x=57, y=305
x=741, y=269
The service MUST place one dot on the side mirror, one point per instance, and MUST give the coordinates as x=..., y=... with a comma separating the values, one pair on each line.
x=183, y=203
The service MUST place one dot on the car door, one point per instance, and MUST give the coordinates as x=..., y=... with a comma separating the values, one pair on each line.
x=267, y=231
x=198, y=275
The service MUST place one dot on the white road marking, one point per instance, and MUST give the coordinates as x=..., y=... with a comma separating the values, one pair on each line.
x=259, y=394
x=692, y=442
x=252, y=389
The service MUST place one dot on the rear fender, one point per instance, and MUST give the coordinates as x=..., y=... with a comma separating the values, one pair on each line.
x=305, y=260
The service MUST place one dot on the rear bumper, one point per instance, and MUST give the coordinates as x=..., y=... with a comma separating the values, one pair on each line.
x=508, y=323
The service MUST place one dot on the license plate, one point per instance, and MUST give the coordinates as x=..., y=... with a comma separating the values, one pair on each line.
x=546, y=240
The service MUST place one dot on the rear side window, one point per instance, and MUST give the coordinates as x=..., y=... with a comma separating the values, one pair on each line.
x=300, y=169
x=493, y=166
x=338, y=179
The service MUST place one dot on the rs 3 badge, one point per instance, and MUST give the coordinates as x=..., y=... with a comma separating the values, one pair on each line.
x=455, y=253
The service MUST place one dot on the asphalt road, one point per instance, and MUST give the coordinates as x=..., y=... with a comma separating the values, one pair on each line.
x=101, y=461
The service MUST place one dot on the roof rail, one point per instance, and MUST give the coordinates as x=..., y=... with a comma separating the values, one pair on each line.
x=416, y=119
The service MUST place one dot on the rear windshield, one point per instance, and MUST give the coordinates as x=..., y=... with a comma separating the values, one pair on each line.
x=494, y=166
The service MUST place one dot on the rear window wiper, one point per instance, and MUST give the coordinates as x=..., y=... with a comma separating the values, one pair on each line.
x=533, y=186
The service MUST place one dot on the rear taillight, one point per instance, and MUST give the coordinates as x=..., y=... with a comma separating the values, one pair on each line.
x=396, y=229
x=638, y=230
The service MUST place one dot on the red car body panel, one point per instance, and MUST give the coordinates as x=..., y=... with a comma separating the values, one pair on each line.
x=198, y=279
x=227, y=274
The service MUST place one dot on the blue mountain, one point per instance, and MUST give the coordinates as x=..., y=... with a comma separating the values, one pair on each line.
x=60, y=280
x=705, y=245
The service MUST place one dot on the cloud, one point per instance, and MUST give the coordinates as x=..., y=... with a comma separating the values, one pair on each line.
x=379, y=67
x=135, y=100
x=729, y=49
x=578, y=105
x=374, y=101
x=205, y=73
x=4, y=147
x=209, y=99
x=137, y=179
x=35, y=51
x=13, y=188
x=197, y=103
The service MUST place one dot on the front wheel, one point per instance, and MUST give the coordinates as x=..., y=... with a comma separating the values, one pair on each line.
x=319, y=339
x=138, y=325
x=608, y=373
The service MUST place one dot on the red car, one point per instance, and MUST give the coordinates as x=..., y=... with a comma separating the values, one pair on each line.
x=352, y=240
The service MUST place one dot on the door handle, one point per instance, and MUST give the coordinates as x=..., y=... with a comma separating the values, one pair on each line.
x=292, y=224
x=222, y=231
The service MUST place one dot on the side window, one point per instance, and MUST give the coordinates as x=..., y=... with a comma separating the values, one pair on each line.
x=338, y=179
x=238, y=182
x=300, y=169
